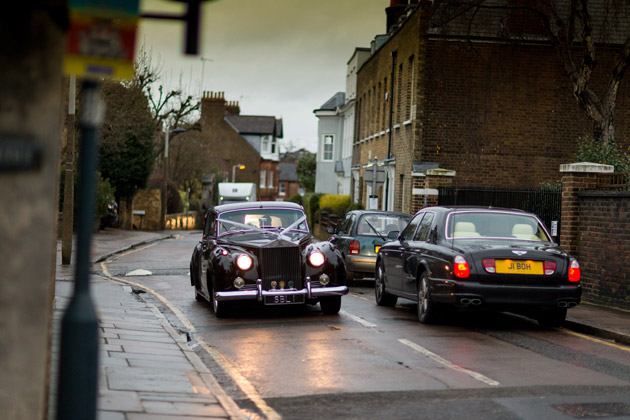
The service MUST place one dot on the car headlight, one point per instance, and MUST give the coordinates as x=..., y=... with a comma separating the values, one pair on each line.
x=244, y=262
x=316, y=259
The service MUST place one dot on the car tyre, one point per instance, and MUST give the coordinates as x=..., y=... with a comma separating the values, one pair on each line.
x=331, y=305
x=426, y=307
x=551, y=318
x=349, y=278
x=382, y=297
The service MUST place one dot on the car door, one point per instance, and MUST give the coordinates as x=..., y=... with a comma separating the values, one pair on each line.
x=417, y=252
x=206, y=245
x=341, y=238
x=393, y=255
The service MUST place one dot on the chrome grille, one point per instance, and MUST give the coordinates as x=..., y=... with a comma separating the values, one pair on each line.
x=281, y=264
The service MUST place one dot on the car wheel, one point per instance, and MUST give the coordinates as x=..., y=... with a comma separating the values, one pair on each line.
x=330, y=305
x=382, y=297
x=349, y=278
x=426, y=307
x=550, y=318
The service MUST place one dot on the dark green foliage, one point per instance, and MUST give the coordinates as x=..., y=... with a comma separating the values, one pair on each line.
x=306, y=167
x=311, y=205
x=355, y=206
x=126, y=146
x=105, y=194
x=297, y=198
x=609, y=153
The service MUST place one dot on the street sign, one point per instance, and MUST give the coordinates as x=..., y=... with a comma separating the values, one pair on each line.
x=102, y=38
x=368, y=175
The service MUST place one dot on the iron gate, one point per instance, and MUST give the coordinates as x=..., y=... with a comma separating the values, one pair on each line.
x=545, y=202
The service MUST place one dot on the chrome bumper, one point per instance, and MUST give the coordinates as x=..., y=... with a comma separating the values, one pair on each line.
x=309, y=292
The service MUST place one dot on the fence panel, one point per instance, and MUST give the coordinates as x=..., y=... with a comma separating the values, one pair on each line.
x=545, y=203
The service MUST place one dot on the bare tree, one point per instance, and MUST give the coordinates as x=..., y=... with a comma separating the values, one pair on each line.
x=170, y=108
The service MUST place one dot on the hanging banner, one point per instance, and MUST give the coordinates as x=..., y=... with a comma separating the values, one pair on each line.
x=102, y=38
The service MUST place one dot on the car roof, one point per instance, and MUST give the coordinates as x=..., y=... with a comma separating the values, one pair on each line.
x=454, y=209
x=258, y=205
x=392, y=213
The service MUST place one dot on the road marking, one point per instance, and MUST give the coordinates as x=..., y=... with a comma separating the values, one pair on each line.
x=444, y=362
x=361, y=321
x=596, y=340
x=242, y=382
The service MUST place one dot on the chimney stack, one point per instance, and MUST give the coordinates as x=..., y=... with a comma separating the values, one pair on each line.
x=395, y=10
x=212, y=109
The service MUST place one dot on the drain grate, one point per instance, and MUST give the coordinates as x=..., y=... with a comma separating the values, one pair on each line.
x=594, y=410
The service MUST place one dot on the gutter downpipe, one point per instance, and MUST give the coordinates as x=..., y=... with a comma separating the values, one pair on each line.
x=394, y=55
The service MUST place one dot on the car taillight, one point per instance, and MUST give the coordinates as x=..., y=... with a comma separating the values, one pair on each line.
x=354, y=247
x=490, y=265
x=550, y=268
x=574, y=271
x=461, y=269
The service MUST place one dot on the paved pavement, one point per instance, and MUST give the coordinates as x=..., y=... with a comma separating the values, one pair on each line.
x=147, y=370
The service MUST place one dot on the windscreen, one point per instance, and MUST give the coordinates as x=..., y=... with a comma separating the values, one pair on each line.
x=258, y=218
x=467, y=225
x=375, y=224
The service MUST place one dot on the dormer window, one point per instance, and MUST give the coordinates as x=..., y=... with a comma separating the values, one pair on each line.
x=266, y=144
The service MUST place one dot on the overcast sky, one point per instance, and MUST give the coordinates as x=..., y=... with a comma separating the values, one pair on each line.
x=283, y=58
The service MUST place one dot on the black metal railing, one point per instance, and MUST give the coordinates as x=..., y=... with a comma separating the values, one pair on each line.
x=546, y=203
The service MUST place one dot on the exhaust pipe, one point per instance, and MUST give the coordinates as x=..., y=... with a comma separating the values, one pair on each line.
x=467, y=301
x=562, y=304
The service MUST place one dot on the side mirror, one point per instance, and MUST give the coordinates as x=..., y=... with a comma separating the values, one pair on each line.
x=393, y=235
x=330, y=229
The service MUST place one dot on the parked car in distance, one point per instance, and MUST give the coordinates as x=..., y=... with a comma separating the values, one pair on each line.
x=360, y=234
x=475, y=257
x=263, y=252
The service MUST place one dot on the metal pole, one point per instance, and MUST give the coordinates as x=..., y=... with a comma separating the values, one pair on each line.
x=68, y=191
x=78, y=359
x=165, y=180
x=374, y=172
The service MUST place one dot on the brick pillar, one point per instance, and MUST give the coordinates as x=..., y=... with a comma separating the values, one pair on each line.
x=576, y=177
x=425, y=187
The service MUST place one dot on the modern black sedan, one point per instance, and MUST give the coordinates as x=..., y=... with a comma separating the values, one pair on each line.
x=263, y=252
x=474, y=258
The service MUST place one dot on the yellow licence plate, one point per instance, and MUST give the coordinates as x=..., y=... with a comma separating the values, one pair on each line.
x=519, y=267
x=376, y=248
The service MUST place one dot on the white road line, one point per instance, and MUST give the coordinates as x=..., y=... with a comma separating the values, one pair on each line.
x=242, y=382
x=361, y=321
x=444, y=362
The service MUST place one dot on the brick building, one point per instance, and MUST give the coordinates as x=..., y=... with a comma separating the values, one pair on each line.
x=496, y=109
x=248, y=140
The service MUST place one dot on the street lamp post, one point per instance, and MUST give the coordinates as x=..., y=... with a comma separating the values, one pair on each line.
x=239, y=166
x=166, y=162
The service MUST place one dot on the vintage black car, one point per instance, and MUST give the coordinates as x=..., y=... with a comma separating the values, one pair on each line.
x=469, y=257
x=264, y=252
x=360, y=234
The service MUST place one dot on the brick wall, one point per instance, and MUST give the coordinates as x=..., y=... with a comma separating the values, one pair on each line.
x=503, y=114
x=604, y=248
x=498, y=114
x=226, y=146
x=596, y=231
